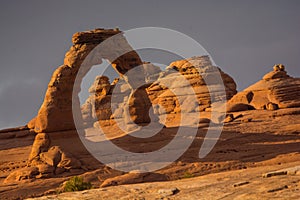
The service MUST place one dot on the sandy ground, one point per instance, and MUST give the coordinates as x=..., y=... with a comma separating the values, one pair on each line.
x=257, y=142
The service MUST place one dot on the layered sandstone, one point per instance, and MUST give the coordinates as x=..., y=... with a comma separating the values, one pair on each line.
x=55, y=113
x=276, y=90
x=170, y=91
x=98, y=105
x=111, y=100
x=192, y=77
x=61, y=102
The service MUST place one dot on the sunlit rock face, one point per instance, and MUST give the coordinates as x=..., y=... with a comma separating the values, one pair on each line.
x=55, y=113
x=194, y=77
x=276, y=90
x=209, y=85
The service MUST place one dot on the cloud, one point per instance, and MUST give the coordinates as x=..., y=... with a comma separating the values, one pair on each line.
x=19, y=102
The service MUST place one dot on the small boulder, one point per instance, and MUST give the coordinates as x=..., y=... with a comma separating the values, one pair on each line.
x=278, y=67
x=226, y=118
x=69, y=162
x=52, y=157
x=45, y=170
x=168, y=192
x=272, y=106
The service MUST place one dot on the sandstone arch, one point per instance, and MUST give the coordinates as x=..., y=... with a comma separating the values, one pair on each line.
x=55, y=113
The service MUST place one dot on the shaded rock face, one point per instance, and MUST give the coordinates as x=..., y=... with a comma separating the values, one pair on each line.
x=276, y=90
x=55, y=113
x=111, y=100
x=97, y=106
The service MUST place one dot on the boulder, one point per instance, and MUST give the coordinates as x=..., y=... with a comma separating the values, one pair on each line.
x=58, y=158
x=68, y=162
x=45, y=170
x=52, y=157
x=271, y=106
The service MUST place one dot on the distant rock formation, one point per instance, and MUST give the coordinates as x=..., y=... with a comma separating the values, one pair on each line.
x=108, y=101
x=97, y=106
x=276, y=90
x=180, y=75
x=197, y=73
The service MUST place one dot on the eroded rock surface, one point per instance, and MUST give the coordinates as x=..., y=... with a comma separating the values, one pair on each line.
x=190, y=85
x=55, y=113
x=276, y=90
x=185, y=81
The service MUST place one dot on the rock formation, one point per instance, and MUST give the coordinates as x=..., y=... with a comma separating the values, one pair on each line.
x=55, y=113
x=276, y=90
x=61, y=98
x=197, y=73
x=108, y=101
x=129, y=98
x=179, y=76
x=97, y=106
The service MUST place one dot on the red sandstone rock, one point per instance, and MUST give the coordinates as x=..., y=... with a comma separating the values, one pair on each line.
x=276, y=88
x=195, y=73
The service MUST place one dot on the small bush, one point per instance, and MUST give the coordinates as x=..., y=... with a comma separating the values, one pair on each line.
x=76, y=184
x=188, y=175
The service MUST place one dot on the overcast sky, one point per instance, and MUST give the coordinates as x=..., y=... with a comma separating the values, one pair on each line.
x=245, y=38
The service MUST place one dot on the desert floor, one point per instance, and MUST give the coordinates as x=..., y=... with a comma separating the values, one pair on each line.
x=256, y=143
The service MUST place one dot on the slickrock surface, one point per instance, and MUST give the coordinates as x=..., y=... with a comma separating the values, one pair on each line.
x=239, y=184
x=254, y=140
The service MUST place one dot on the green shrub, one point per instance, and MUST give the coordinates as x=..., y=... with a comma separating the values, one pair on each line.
x=188, y=175
x=76, y=184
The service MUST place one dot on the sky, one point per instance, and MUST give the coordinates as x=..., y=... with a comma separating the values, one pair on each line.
x=244, y=38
